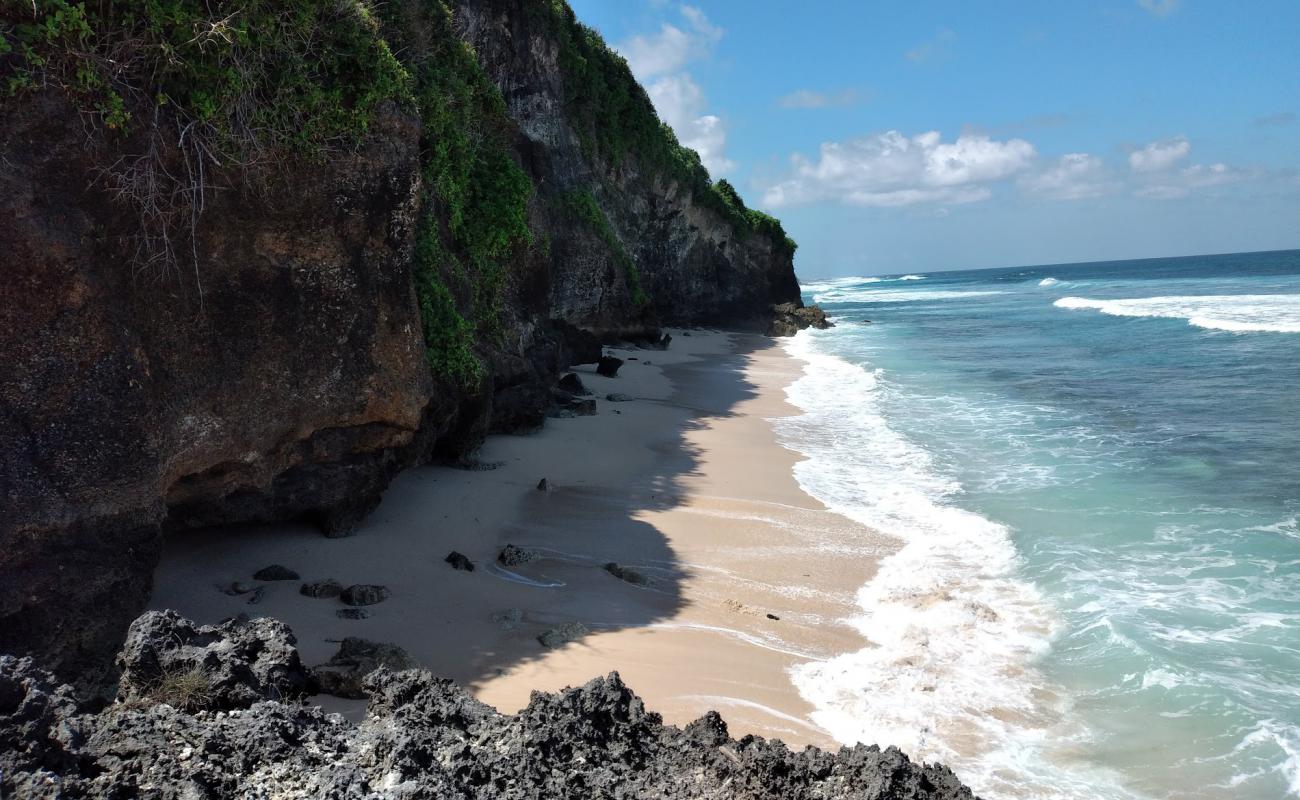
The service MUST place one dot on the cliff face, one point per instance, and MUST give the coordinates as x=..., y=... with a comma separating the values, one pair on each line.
x=326, y=323
x=695, y=264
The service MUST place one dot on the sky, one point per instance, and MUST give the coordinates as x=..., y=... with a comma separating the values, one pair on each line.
x=905, y=137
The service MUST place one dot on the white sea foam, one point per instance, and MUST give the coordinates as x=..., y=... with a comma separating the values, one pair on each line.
x=1240, y=313
x=1048, y=282
x=1271, y=734
x=833, y=294
x=950, y=674
x=836, y=284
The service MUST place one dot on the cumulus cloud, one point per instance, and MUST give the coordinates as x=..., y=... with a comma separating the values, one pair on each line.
x=680, y=102
x=1160, y=8
x=672, y=47
x=807, y=98
x=891, y=169
x=660, y=61
x=1157, y=173
x=1074, y=176
x=1159, y=155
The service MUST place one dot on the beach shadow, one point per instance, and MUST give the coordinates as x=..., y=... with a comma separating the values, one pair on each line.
x=460, y=624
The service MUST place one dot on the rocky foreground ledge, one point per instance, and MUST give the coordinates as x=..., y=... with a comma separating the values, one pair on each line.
x=192, y=720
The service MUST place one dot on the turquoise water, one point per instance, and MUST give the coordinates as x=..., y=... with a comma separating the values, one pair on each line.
x=1095, y=472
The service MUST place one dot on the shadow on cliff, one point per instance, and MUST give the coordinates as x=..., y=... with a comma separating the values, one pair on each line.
x=444, y=617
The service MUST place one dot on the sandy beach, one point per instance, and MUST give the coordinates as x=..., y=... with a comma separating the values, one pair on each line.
x=685, y=484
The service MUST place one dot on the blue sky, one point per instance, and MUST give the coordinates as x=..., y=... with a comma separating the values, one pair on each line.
x=958, y=135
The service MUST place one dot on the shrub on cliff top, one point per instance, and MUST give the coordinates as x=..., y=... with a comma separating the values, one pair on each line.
x=211, y=85
x=474, y=220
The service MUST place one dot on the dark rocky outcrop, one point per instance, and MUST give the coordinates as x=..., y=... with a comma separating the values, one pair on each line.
x=608, y=366
x=423, y=737
x=364, y=594
x=565, y=405
x=231, y=665
x=790, y=318
x=572, y=384
x=344, y=674
x=277, y=369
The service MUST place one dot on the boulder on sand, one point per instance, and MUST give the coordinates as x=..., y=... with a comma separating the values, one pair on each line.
x=608, y=366
x=275, y=572
x=561, y=635
x=627, y=574
x=459, y=561
x=327, y=588
x=513, y=555
x=365, y=594
x=572, y=384
x=356, y=658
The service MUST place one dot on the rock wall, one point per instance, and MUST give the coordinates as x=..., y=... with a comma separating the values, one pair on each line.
x=278, y=371
x=696, y=267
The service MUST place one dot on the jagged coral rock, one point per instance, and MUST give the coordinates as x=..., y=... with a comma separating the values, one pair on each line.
x=423, y=737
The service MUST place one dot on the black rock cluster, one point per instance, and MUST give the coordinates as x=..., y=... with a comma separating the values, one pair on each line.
x=423, y=737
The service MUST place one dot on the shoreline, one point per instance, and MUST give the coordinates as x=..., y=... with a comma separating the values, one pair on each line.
x=686, y=484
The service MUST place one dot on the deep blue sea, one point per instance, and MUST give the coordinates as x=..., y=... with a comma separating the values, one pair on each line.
x=1094, y=474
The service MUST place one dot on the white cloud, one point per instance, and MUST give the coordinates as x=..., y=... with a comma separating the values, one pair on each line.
x=1159, y=155
x=890, y=169
x=659, y=60
x=937, y=48
x=1160, y=8
x=1178, y=184
x=680, y=102
x=672, y=48
x=807, y=98
x=1154, y=168
x=1074, y=176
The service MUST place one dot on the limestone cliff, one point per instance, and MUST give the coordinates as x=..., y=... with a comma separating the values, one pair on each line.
x=246, y=282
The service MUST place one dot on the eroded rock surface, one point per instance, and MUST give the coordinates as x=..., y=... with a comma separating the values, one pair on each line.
x=423, y=737
x=231, y=665
x=790, y=318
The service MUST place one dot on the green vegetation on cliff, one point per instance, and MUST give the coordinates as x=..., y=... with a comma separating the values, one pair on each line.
x=581, y=206
x=195, y=90
x=249, y=78
x=245, y=87
x=474, y=216
x=474, y=219
x=192, y=88
x=615, y=118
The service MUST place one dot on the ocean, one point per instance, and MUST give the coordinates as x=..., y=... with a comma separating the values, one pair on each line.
x=1094, y=474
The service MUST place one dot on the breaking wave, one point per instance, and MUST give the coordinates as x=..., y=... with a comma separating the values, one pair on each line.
x=1241, y=313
